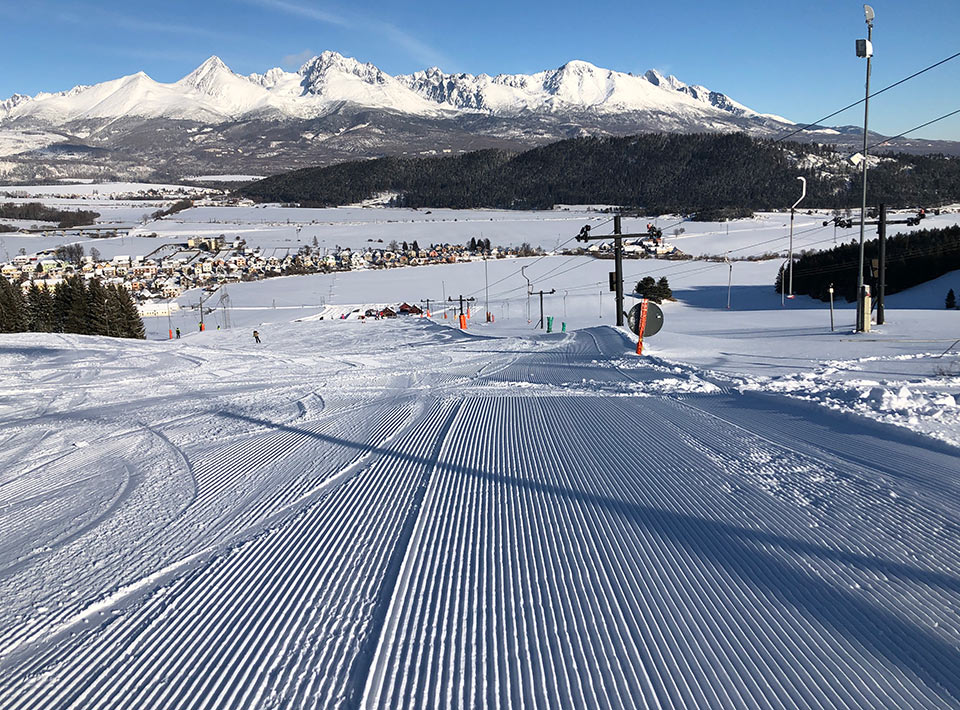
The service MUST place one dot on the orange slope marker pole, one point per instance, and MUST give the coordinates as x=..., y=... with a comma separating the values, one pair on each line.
x=643, y=326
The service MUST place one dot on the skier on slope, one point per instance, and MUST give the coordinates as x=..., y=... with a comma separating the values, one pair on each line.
x=256, y=336
x=178, y=334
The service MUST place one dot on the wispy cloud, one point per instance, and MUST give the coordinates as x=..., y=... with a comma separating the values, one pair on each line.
x=295, y=61
x=310, y=13
x=171, y=55
x=421, y=51
x=131, y=23
x=396, y=35
x=86, y=15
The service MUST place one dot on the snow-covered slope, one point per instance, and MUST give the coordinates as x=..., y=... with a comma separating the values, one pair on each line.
x=393, y=514
x=212, y=93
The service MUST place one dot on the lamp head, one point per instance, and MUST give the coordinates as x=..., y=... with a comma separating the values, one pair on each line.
x=868, y=14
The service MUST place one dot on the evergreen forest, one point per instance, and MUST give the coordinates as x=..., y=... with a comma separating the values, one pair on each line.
x=911, y=260
x=74, y=306
x=718, y=174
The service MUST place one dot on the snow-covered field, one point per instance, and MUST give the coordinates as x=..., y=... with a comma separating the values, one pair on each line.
x=276, y=227
x=393, y=513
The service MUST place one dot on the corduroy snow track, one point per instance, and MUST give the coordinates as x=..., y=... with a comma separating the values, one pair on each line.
x=398, y=515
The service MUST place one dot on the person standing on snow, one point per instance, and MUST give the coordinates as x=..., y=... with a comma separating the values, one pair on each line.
x=256, y=336
x=178, y=334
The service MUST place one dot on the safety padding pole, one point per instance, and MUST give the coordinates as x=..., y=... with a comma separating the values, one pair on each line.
x=642, y=327
x=463, y=322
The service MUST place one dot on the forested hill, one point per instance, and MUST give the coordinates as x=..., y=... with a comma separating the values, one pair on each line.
x=659, y=172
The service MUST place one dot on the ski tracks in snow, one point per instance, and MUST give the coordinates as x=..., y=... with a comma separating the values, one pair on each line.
x=453, y=522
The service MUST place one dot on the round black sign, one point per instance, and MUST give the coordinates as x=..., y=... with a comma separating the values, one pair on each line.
x=654, y=319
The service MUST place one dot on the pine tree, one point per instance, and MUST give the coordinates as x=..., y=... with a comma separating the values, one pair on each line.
x=39, y=309
x=472, y=246
x=70, y=300
x=96, y=309
x=131, y=325
x=951, y=302
x=646, y=287
x=114, y=312
x=663, y=289
x=13, y=312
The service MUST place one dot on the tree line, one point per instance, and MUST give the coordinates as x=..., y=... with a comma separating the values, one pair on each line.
x=74, y=306
x=912, y=259
x=658, y=173
x=35, y=211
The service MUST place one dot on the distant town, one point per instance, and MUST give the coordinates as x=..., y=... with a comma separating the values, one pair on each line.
x=205, y=262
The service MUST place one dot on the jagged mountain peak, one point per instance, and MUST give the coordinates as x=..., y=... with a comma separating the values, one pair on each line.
x=213, y=93
x=580, y=66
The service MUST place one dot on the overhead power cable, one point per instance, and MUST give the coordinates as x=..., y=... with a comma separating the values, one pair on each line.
x=915, y=128
x=536, y=261
x=875, y=93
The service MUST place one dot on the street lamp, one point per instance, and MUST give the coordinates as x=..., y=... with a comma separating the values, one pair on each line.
x=523, y=272
x=864, y=49
x=793, y=209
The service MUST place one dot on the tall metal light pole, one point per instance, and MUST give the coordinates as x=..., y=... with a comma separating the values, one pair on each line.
x=486, y=290
x=864, y=49
x=730, y=280
x=793, y=209
x=529, y=289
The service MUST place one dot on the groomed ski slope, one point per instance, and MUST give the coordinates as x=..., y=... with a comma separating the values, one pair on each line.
x=399, y=515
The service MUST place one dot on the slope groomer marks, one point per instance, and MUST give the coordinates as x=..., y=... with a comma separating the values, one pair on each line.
x=400, y=515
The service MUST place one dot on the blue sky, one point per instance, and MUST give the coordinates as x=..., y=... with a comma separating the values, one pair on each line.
x=793, y=59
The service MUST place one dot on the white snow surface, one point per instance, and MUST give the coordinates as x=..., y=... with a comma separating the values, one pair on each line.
x=397, y=514
x=756, y=512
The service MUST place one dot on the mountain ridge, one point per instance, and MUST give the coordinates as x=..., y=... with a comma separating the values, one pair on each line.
x=213, y=93
x=336, y=108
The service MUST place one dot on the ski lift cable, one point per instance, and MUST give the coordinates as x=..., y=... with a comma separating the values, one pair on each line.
x=875, y=93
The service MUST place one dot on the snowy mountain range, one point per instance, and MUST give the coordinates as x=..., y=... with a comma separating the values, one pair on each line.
x=212, y=94
x=335, y=108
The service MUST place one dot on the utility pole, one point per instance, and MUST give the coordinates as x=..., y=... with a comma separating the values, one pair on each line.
x=204, y=300
x=564, y=304
x=863, y=319
x=462, y=299
x=618, y=237
x=793, y=209
x=864, y=49
x=523, y=273
x=486, y=290
x=729, y=280
x=427, y=301
x=618, y=256
x=540, y=293
x=831, y=307
x=882, y=238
